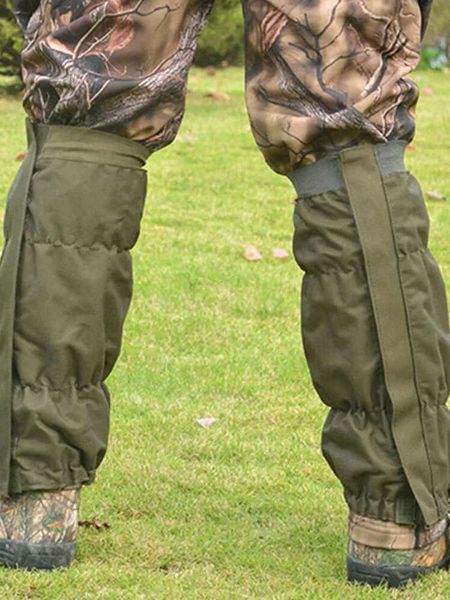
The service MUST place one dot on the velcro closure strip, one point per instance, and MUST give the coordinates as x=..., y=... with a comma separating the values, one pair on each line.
x=325, y=175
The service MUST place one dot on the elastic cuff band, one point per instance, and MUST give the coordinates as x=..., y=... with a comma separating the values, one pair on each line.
x=325, y=175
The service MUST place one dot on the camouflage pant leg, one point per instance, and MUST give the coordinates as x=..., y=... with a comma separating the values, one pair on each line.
x=322, y=76
x=332, y=106
x=116, y=65
x=100, y=77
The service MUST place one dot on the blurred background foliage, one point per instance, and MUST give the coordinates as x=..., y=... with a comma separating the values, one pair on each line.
x=10, y=41
x=222, y=40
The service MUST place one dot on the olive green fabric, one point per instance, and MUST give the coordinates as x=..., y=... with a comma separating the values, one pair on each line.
x=82, y=196
x=376, y=337
x=9, y=263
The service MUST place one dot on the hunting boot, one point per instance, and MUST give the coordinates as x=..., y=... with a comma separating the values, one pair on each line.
x=38, y=529
x=383, y=552
x=72, y=217
x=376, y=337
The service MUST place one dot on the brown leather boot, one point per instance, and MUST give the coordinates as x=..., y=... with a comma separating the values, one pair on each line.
x=38, y=529
x=381, y=552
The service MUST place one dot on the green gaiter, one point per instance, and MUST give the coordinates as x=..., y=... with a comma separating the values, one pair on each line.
x=376, y=332
x=73, y=215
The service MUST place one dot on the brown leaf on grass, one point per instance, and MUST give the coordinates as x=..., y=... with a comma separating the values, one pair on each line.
x=436, y=196
x=28, y=593
x=211, y=71
x=20, y=156
x=187, y=138
x=280, y=254
x=411, y=148
x=129, y=513
x=95, y=524
x=427, y=91
x=218, y=96
x=252, y=254
x=206, y=422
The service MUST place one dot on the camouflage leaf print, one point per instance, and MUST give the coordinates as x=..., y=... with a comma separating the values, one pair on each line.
x=40, y=517
x=322, y=75
x=428, y=556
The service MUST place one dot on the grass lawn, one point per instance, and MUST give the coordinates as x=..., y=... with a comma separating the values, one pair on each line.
x=246, y=508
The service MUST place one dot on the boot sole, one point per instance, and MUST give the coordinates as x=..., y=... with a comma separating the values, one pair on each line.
x=394, y=577
x=47, y=556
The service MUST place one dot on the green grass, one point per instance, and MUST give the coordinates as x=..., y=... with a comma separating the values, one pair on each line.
x=247, y=508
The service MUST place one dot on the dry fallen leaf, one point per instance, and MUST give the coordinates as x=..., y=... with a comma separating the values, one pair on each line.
x=280, y=254
x=219, y=96
x=436, y=196
x=95, y=523
x=20, y=156
x=29, y=592
x=187, y=138
x=410, y=148
x=206, y=421
x=210, y=71
x=128, y=513
x=427, y=91
x=252, y=254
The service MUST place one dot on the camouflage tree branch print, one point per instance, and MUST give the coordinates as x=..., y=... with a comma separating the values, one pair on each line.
x=325, y=76
x=99, y=65
x=321, y=76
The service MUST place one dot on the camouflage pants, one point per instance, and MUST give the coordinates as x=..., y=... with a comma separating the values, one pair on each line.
x=331, y=106
x=321, y=75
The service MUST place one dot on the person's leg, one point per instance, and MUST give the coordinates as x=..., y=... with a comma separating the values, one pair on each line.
x=332, y=107
x=104, y=88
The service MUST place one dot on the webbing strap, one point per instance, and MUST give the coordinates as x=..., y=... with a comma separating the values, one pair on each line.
x=9, y=265
x=370, y=205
